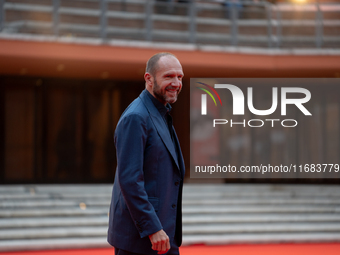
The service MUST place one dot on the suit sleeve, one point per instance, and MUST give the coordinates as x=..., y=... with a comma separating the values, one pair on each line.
x=130, y=141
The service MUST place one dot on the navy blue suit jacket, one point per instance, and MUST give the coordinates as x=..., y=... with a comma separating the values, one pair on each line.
x=147, y=191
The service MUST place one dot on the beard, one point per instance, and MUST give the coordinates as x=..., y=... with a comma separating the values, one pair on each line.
x=162, y=96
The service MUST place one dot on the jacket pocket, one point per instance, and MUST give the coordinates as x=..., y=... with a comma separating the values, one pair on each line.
x=155, y=202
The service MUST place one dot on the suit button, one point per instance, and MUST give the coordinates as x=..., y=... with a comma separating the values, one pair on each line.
x=173, y=205
x=176, y=183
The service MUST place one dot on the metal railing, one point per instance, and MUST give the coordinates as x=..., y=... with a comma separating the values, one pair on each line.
x=246, y=23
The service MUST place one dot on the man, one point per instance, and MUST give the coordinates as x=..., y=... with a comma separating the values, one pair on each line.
x=146, y=205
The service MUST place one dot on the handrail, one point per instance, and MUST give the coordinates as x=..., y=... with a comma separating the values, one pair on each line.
x=2, y=14
x=154, y=25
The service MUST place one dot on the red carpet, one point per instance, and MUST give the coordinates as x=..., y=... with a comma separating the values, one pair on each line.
x=244, y=249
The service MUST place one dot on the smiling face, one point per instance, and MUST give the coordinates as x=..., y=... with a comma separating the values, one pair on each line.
x=166, y=84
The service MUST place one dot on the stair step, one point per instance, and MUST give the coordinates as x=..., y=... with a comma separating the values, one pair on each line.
x=256, y=194
x=54, y=195
x=49, y=244
x=46, y=212
x=261, y=238
x=235, y=190
x=260, y=209
x=68, y=202
x=53, y=203
x=213, y=218
x=260, y=228
x=71, y=216
x=103, y=210
x=24, y=196
x=12, y=189
x=100, y=242
x=19, y=223
x=187, y=220
x=257, y=201
x=86, y=231
x=56, y=232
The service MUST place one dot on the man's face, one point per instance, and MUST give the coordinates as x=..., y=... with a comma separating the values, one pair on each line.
x=167, y=82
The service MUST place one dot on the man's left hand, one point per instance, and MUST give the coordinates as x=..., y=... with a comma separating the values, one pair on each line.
x=160, y=242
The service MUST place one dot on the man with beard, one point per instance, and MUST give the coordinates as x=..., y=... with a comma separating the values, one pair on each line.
x=146, y=206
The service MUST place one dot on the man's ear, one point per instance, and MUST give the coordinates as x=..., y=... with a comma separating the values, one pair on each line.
x=148, y=80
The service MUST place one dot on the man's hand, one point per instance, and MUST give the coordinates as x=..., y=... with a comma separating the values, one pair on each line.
x=160, y=242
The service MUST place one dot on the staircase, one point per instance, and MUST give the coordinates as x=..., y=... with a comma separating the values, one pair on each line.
x=76, y=216
x=224, y=214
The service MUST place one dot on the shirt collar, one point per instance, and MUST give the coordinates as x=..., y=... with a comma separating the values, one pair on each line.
x=160, y=107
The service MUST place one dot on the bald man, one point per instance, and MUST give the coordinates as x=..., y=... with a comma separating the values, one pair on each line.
x=146, y=205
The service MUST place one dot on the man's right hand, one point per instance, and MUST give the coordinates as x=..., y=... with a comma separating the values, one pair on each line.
x=160, y=242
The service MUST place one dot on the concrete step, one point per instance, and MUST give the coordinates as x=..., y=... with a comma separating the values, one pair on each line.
x=47, y=212
x=261, y=238
x=88, y=220
x=263, y=218
x=260, y=228
x=190, y=190
x=19, y=223
x=265, y=189
x=54, y=203
x=53, y=195
x=257, y=196
x=192, y=195
x=257, y=201
x=187, y=210
x=260, y=209
x=53, y=243
x=206, y=229
x=19, y=196
x=55, y=232
x=71, y=216
x=75, y=201
x=12, y=189
x=95, y=242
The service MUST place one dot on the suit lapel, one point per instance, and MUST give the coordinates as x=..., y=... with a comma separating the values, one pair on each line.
x=180, y=156
x=160, y=125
